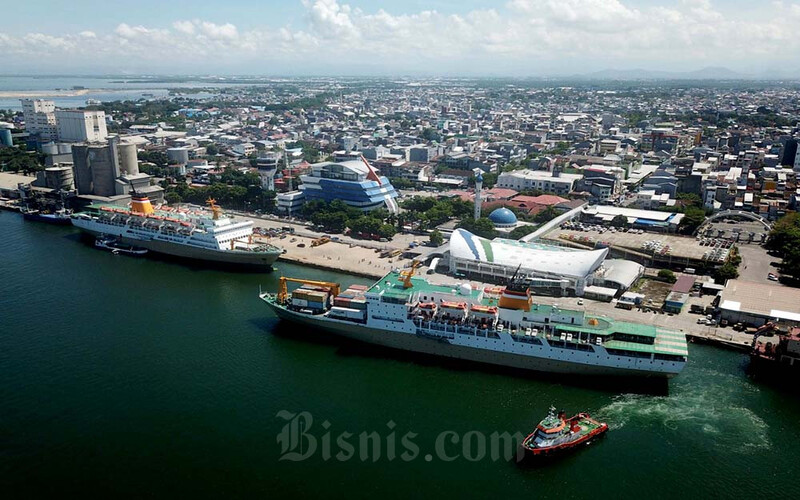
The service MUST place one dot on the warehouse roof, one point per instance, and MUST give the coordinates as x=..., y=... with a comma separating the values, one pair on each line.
x=531, y=257
x=771, y=301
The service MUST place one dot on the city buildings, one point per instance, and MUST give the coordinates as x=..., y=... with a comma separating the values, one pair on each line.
x=43, y=120
x=81, y=126
x=353, y=182
x=541, y=180
x=40, y=118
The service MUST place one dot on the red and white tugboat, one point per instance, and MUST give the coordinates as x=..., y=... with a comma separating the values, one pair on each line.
x=557, y=433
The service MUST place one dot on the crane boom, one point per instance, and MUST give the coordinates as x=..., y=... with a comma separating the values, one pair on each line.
x=283, y=292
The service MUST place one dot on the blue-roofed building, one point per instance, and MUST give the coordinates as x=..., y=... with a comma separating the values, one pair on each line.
x=503, y=217
x=353, y=182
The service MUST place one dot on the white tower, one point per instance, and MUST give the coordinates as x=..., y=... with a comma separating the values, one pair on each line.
x=478, y=185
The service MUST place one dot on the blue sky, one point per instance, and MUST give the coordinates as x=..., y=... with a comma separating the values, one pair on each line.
x=470, y=37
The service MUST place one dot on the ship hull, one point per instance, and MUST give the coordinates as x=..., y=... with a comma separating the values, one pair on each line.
x=260, y=261
x=49, y=219
x=415, y=343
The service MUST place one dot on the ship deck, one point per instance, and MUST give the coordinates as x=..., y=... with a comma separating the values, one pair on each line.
x=665, y=342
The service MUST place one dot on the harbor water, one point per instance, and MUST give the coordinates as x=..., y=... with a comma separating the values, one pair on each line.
x=135, y=377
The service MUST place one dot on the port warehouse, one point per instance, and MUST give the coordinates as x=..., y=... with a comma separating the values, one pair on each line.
x=756, y=303
x=549, y=269
x=649, y=220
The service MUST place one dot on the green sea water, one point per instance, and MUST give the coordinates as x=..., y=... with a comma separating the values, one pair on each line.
x=127, y=377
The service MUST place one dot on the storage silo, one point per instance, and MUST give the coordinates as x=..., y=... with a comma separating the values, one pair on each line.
x=60, y=177
x=128, y=161
x=5, y=137
x=64, y=148
x=178, y=155
x=50, y=148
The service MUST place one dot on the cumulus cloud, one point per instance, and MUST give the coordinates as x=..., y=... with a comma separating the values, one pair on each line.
x=186, y=27
x=524, y=35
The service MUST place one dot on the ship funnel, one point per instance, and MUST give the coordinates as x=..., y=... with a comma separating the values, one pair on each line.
x=141, y=204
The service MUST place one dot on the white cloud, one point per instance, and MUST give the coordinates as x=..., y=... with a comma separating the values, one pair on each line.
x=522, y=36
x=186, y=27
x=225, y=31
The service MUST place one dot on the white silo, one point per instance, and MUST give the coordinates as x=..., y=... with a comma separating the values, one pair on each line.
x=178, y=155
x=128, y=161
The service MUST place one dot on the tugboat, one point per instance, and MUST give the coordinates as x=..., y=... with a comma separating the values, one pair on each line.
x=557, y=433
x=116, y=247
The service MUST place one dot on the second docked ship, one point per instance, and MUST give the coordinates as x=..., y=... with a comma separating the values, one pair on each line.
x=187, y=234
x=497, y=325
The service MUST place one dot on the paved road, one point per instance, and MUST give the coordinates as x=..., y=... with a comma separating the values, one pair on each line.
x=756, y=264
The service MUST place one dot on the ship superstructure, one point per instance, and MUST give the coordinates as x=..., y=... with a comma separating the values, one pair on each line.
x=498, y=325
x=192, y=234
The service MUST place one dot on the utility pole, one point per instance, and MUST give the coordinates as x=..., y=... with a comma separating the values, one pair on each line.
x=289, y=170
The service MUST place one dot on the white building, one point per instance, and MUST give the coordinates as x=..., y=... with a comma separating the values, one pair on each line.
x=76, y=125
x=550, y=270
x=40, y=118
x=290, y=203
x=551, y=182
x=245, y=149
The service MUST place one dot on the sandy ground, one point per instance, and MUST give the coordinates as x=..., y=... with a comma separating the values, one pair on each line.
x=337, y=256
x=7, y=94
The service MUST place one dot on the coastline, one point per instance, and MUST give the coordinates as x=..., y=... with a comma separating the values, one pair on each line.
x=24, y=94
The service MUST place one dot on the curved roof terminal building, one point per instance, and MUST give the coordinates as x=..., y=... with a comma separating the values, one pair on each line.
x=354, y=182
x=550, y=269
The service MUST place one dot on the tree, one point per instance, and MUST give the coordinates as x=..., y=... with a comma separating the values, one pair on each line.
x=173, y=198
x=726, y=271
x=436, y=238
x=212, y=150
x=619, y=221
x=690, y=199
x=386, y=231
x=667, y=275
x=520, y=231
x=482, y=227
x=784, y=241
x=693, y=217
x=546, y=215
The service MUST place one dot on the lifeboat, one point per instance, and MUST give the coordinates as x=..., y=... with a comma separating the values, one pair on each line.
x=483, y=309
x=454, y=305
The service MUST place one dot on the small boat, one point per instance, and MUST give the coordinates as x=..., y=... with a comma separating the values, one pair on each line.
x=115, y=247
x=60, y=217
x=557, y=433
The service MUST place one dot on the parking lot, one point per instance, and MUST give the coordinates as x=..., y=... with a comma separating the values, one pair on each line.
x=741, y=232
x=634, y=239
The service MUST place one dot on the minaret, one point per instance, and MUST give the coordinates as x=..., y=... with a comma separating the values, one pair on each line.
x=478, y=185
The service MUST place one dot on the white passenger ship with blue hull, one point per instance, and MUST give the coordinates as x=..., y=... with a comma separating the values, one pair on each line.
x=500, y=326
x=180, y=233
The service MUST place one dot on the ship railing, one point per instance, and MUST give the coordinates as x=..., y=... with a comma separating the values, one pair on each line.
x=437, y=334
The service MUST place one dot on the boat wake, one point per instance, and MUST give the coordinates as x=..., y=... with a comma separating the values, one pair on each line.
x=712, y=409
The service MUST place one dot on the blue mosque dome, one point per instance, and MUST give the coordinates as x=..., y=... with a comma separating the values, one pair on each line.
x=503, y=217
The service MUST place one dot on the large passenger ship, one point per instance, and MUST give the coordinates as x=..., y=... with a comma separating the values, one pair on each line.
x=181, y=233
x=497, y=325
